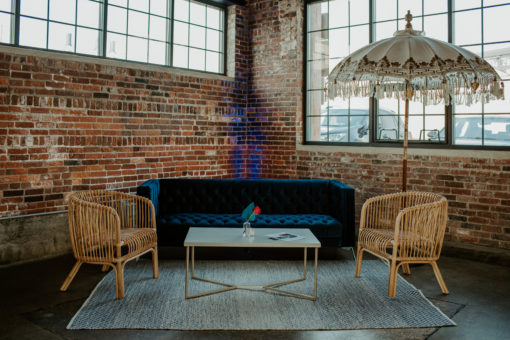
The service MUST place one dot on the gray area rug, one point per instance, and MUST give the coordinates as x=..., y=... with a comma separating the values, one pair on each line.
x=344, y=301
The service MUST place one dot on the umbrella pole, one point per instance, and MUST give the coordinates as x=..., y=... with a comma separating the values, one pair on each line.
x=404, y=161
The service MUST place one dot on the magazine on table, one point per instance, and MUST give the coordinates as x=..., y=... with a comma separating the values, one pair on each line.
x=284, y=236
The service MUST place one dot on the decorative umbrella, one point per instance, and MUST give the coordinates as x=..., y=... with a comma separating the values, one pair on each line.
x=410, y=65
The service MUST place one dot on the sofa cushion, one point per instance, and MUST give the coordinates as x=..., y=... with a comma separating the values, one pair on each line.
x=321, y=225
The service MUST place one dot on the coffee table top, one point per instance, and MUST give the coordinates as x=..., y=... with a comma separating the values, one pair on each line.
x=233, y=237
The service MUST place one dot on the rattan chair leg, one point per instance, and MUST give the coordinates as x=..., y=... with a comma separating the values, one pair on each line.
x=104, y=268
x=71, y=276
x=119, y=280
x=155, y=269
x=439, y=277
x=406, y=269
x=392, y=279
x=359, y=258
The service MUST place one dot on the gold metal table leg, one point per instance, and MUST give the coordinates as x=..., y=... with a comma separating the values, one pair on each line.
x=270, y=287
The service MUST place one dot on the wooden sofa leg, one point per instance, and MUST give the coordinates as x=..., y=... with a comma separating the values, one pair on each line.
x=406, y=269
x=71, y=276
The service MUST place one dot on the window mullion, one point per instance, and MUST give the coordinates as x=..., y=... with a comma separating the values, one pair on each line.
x=103, y=43
x=170, y=31
x=16, y=21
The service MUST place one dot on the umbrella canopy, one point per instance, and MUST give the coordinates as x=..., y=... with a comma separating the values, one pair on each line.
x=412, y=66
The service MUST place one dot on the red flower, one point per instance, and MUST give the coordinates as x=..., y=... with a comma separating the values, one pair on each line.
x=256, y=210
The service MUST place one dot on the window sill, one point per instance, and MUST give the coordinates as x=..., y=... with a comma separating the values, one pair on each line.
x=419, y=151
x=28, y=51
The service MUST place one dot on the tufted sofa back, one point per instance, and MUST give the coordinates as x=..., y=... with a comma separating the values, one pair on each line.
x=232, y=196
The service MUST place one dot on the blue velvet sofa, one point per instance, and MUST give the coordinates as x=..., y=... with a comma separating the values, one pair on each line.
x=324, y=206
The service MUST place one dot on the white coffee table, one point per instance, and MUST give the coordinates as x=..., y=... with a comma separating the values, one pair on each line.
x=232, y=237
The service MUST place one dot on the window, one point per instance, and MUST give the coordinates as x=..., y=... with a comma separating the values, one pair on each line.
x=198, y=36
x=338, y=27
x=135, y=30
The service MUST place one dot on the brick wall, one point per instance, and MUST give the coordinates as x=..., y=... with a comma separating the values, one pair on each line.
x=275, y=88
x=477, y=185
x=67, y=124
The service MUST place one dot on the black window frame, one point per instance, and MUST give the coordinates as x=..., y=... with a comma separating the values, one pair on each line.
x=373, y=103
x=103, y=31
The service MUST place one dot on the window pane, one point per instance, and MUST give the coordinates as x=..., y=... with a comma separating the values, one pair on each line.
x=359, y=37
x=467, y=130
x=435, y=6
x=214, y=18
x=338, y=43
x=359, y=12
x=157, y=52
x=137, y=49
x=473, y=108
x=88, y=13
x=434, y=129
x=5, y=27
x=213, y=40
x=180, y=33
x=122, y=3
x=87, y=41
x=465, y=4
x=338, y=13
x=499, y=106
x=436, y=26
x=5, y=5
x=318, y=71
x=138, y=24
x=385, y=30
x=159, y=7
x=212, y=62
x=468, y=28
x=358, y=129
x=117, y=19
x=180, y=56
x=496, y=130
x=34, y=8
x=317, y=16
x=197, y=59
x=63, y=10
x=140, y=5
x=116, y=46
x=197, y=13
x=498, y=55
x=493, y=27
x=181, y=10
x=158, y=28
x=385, y=9
x=413, y=5
x=318, y=45
x=494, y=2
x=197, y=36
x=61, y=37
x=32, y=32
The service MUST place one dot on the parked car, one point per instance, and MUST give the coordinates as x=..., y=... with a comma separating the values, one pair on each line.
x=468, y=131
x=339, y=127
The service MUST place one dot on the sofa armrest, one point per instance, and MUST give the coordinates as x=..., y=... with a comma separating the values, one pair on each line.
x=341, y=207
x=150, y=189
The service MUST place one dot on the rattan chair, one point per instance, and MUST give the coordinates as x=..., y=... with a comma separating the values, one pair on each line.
x=403, y=228
x=111, y=228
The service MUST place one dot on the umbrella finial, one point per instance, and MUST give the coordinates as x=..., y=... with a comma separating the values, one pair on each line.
x=408, y=18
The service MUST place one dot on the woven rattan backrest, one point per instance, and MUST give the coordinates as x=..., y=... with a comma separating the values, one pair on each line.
x=94, y=226
x=420, y=226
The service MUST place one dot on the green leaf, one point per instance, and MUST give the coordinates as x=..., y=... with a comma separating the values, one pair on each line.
x=247, y=211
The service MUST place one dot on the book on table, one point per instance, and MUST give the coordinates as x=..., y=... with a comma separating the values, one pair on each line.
x=284, y=236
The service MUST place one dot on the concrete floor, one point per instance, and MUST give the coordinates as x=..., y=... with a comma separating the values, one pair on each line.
x=32, y=307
